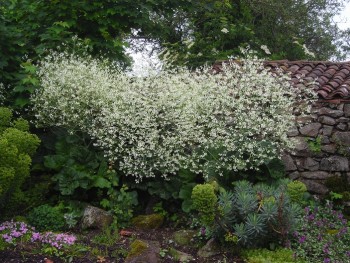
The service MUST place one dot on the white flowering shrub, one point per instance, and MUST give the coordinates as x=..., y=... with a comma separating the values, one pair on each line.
x=176, y=118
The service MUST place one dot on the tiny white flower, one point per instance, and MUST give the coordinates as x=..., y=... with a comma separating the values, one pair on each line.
x=265, y=49
x=224, y=30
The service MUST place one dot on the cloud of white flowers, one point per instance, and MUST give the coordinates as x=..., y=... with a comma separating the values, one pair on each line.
x=154, y=125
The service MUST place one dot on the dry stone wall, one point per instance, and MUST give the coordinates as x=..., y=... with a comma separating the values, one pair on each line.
x=323, y=146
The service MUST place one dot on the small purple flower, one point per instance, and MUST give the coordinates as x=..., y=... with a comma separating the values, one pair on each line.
x=35, y=236
x=327, y=260
x=302, y=239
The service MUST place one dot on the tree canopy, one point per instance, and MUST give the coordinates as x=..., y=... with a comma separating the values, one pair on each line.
x=188, y=32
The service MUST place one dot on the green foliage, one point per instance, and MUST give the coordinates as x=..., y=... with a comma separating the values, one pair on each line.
x=296, y=191
x=212, y=30
x=78, y=166
x=108, y=237
x=204, y=201
x=28, y=28
x=281, y=255
x=314, y=144
x=16, y=148
x=257, y=215
x=121, y=203
x=322, y=235
x=46, y=217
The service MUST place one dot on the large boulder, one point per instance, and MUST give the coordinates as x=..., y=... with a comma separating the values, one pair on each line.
x=94, y=217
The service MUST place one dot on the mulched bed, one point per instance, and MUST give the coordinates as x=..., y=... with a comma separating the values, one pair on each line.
x=162, y=235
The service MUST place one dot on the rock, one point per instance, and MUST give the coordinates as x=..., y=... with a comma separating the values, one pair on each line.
x=288, y=162
x=315, y=187
x=335, y=163
x=343, y=119
x=294, y=175
x=310, y=129
x=341, y=107
x=152, y=221
x=142, y=251
x=184, y=237
x=94, y=217
x=325, y=140
x=347, y=110
x=327, y=130
x=310, y=164
x=316, y=175
x=330, y=112
x=211, y=248
x=341, y=138
x=293, y=132
x=326, y=120
x=301, y=147
x=329, y=148
x=342, y=126
x=180, y=256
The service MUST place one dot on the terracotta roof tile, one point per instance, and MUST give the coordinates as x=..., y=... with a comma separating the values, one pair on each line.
x=332, y=79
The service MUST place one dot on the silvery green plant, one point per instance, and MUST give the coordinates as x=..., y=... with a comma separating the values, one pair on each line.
x=154, y=125
x=257, y=215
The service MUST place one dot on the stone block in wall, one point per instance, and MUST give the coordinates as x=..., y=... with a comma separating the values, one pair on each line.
x=329, y=148
x=335, y=163
x=343, y=119
x=310, y=129
x=340, y=107
x=325, y=140
x=331, y=113
x=315, y=187
x=301, y=147
x=311, y=164
x=326, y=120
x=341, y=138
x=288, y=162
x=326, y=130
x=294, y=175
x=316, y=175
x=342, y=126
x=347, y=110
x=293, y=132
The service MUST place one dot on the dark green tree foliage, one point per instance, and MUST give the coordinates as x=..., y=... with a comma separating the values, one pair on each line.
x=28, y=28
x=17, y=146
x=218, y=28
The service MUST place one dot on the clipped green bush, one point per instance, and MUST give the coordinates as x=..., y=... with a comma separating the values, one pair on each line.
x=17, y=146
x=46, y=217
x=204, y=201
x=296, y=191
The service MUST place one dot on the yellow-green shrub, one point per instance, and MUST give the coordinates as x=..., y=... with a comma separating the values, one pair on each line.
x=17, y=146
x=204, y=201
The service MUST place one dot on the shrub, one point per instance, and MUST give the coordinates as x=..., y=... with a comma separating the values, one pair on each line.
x=204, y=201
x=17, y=146
x=256, y=215
x=296, y=190
x=154, y=125
x=322, y=236
x=46, y=217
